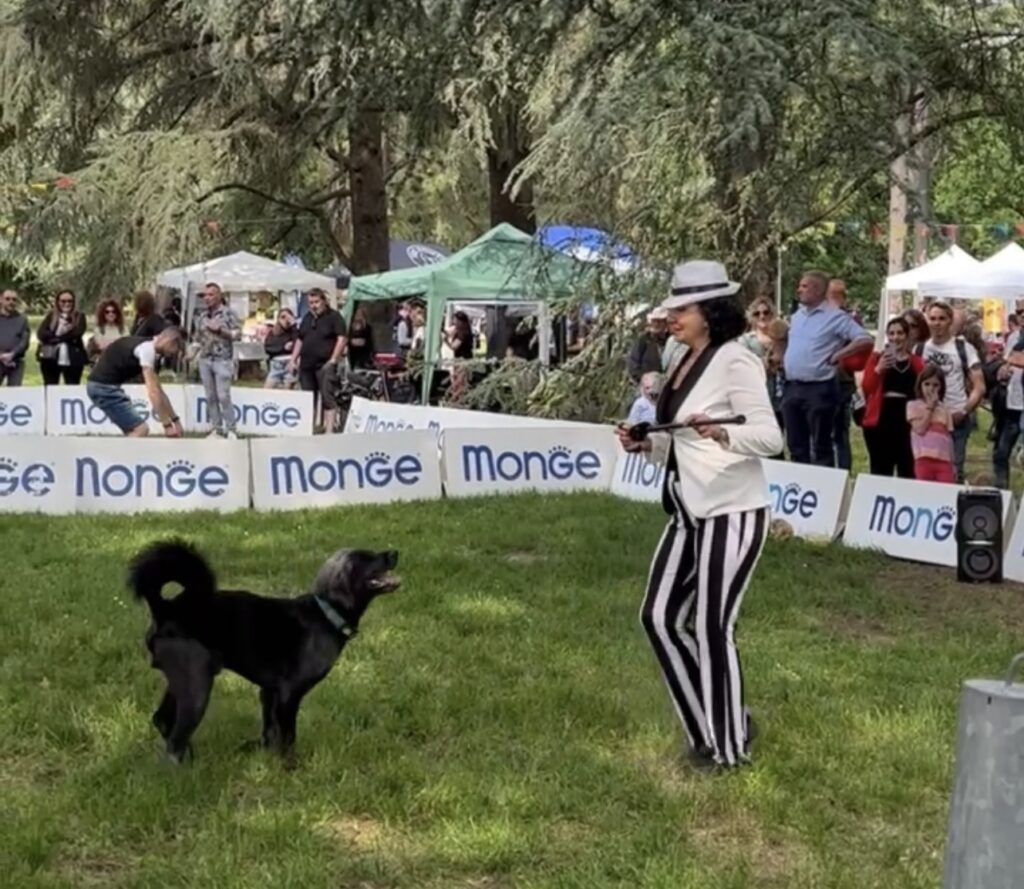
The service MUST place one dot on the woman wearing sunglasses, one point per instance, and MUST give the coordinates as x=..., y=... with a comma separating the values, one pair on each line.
x=762, y=338
x=61, y=350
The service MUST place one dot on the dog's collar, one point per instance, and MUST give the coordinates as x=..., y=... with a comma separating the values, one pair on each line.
x=344, y=628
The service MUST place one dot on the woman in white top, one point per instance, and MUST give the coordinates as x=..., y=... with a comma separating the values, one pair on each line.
x=717, y=497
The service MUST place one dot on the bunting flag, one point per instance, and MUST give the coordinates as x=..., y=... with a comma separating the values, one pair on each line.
x=950, y=231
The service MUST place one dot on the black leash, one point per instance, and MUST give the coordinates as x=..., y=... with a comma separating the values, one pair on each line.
x=640, y=431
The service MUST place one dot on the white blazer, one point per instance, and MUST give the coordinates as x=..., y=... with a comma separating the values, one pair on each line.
x=716, y=479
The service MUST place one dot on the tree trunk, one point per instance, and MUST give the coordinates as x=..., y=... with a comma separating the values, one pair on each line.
x=371, y=241
x=370, y=238
x=510, y=147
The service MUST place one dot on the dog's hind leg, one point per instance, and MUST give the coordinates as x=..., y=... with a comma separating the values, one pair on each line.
x=190, y=670
x=163, y=716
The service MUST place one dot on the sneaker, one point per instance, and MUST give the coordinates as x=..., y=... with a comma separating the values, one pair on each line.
x=214, y=434
x=231, y=436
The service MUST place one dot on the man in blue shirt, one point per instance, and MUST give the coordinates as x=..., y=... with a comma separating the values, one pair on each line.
x=820, y=337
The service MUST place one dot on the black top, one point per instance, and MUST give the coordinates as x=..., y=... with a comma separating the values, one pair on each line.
x=465, y=347
x=899, y=380
x=149, y=326
x=360, y=345
x=319, y=335
x=118, y=363
x=669, y=402
x=47, y=336
x=278, y=344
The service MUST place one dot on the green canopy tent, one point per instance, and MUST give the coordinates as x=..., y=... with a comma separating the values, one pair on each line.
x=502, y=267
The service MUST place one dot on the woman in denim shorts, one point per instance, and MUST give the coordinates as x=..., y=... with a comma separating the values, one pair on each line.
x=279, y=345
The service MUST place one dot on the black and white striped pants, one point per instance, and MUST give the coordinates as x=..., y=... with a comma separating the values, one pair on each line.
x=697, y=580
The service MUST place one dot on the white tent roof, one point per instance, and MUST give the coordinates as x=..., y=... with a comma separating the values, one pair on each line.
x=245, y=272
x=998, y=277
x=953, y=262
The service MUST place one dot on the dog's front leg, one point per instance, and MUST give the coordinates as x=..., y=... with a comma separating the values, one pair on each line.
x=163, y=717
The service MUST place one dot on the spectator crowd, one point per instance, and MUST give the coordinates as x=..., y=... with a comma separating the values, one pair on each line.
x=916, y=400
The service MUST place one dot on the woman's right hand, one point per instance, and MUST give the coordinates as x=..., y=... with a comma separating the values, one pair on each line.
x=627, y=443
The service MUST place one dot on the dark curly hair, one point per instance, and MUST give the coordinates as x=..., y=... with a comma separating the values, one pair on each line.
x=725, y=317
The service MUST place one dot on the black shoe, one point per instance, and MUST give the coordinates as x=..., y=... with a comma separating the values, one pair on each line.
x=702, y=760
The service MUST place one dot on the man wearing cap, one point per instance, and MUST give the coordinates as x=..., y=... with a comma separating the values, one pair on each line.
x=645, y=356
x=820, y=337
x=716, y=497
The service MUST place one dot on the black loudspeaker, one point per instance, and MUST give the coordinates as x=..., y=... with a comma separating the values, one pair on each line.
x=979, y=536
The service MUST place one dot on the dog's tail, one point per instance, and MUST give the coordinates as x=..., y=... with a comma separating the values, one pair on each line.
x=171, y=561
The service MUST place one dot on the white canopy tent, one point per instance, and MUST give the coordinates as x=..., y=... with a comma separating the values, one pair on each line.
x=998, y=277
x=245, y=273
x=952, y=262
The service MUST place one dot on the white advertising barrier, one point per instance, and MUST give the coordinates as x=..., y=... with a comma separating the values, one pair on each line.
x=907, y=519
x=1013, y=562
x=22, y=410
x=70, y=412
x=265, y=412
x=489, y=461
x=809, y=498
x=337, y=470
x=150, y=475
x=35, y=475
x=381, y=416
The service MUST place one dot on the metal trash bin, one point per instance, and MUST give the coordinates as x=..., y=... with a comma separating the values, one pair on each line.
x=985, y=841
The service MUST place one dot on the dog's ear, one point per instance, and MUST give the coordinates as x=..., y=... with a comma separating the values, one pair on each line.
x=334, y=580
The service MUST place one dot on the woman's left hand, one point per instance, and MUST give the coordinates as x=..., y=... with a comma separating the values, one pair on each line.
x=714, y=432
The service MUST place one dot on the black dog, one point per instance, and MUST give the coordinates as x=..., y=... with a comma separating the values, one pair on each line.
x=285, y=646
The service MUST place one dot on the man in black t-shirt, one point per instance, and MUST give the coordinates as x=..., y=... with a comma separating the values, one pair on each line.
x=321, y=346
x=124, y=360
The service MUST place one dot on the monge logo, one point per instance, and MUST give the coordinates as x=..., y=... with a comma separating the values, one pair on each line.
x=178, y=478
x=912, y=521
x=16, y=416
x=639, y=471
x=376, y=424
x=264, y=415
x=289, y=475
x=36, y=479
x=793, y=501
x=78, y=411
x=482, y=464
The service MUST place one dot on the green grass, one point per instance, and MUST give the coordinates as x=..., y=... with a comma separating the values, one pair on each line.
x=499, y=722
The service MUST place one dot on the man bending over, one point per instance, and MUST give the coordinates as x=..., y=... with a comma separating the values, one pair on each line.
x=126, y=359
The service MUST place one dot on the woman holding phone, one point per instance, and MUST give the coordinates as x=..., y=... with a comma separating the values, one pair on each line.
x=890, y=377
x=716, y=496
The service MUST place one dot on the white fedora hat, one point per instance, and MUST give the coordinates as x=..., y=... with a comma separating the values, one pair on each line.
x=658, y=313
x=697, y=281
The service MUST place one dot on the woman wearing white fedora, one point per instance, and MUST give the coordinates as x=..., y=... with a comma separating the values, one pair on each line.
x=717, y=498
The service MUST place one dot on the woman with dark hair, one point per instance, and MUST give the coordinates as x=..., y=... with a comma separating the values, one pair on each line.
x=717, y=498
x=919, y=330
x=459, y=336
x=61, y=349
x=148, y=322
x=109, y=327
x=889, y=382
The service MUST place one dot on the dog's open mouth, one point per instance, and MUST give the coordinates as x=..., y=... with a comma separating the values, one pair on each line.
x=385, y=583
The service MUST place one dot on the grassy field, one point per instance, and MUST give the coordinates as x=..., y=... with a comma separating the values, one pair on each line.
x=497, y=723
